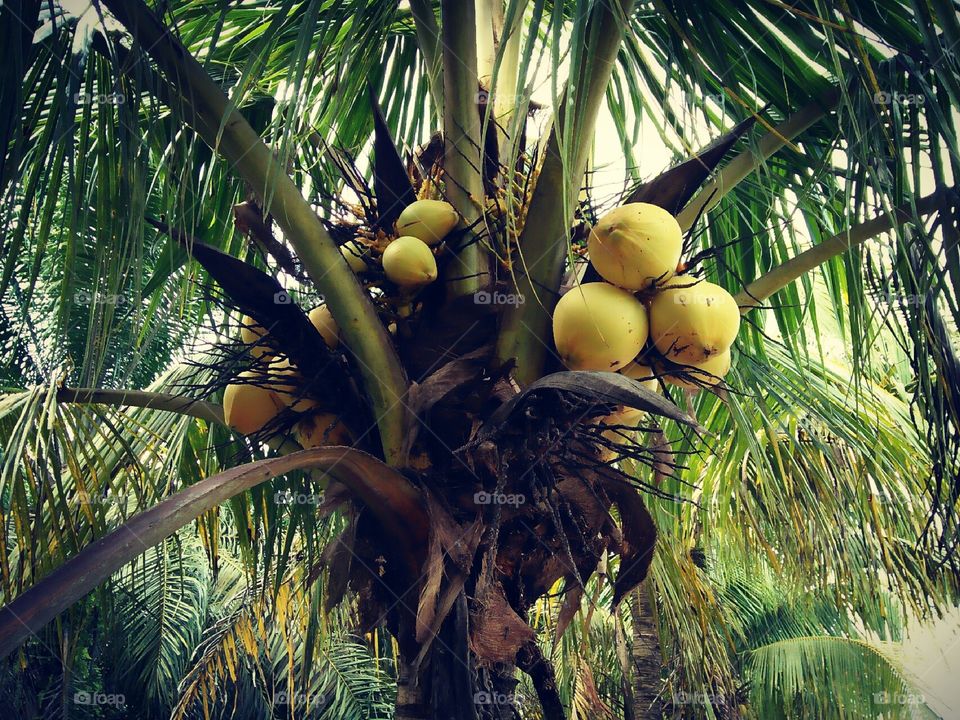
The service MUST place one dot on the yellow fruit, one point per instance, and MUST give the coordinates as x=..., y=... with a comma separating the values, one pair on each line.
x=644, y=375
x=428, y=220
x=323, y=321
x=691, y=320
x=353, y=253
x=251, y=334
x=322, y=429
x=627, y=415
x=623, y=424
x=636, y=245
x=247, y=408
x=599, y=327
x=409, y=263
x=707, y=373
x=287, y=384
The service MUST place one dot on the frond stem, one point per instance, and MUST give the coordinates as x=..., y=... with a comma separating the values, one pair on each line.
x=782, y=275
x=211, y=412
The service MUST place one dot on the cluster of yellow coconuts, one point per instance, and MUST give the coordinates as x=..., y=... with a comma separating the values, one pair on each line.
x=273, y=386
x=408, y=260
x=636, y=249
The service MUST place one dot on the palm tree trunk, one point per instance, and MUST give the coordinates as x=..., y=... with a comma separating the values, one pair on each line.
x=410, y=704
x=646, y=655
x=449, y=681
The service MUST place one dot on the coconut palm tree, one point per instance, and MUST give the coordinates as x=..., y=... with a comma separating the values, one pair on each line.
x=180, y=172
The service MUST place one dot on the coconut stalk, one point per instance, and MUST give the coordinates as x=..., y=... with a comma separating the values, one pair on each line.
x=505, y=97
x=469, y=272
x=211, y=412
x=214, y=117
x=749, y=161
x=166, y=402
x=544, y=243
x=782, y=275
x=504, y=93
x=428, y=39
x=486, y=44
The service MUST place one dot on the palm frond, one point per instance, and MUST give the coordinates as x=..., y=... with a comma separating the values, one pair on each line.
x=809, y=677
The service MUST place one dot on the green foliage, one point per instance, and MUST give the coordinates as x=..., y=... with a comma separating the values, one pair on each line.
x=160, y=610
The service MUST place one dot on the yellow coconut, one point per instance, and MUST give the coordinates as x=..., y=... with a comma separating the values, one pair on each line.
x=287, y=384
x=707, y=373
x=636, y=245
x=252, y=334
x=428, y=220
x=691, y=320
x=643, y=374
x=627, y=415
x=322, y=429
x=599, y=327
x=247, y=408
x=623, y=423
x=409, y=262
x=323, y=321
x=353, y=254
